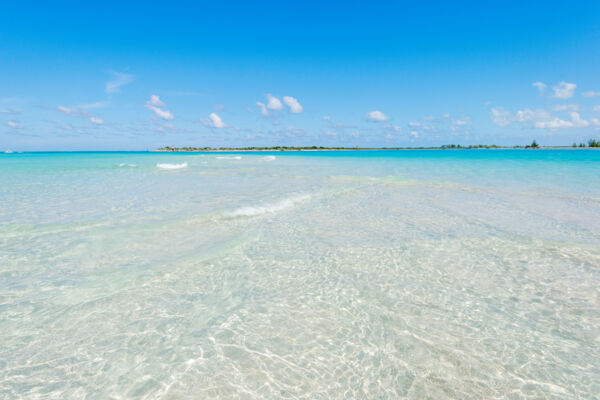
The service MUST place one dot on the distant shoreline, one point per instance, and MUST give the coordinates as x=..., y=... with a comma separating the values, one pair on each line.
x=272, y=149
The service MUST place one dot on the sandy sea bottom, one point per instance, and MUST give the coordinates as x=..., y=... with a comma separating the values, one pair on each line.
x=284, y=276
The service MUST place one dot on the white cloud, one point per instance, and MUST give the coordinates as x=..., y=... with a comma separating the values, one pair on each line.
x=119, y=79
x=596, y=108
x=160, y=113
x=74, y=112
x=293, y=104
x=273, y=102
x=566, y=107
x=590, y=94
x=330, y=133
x=500, y=116
x=155, y=104
x=391, y=127
x=155, y=101
x=564, y=90
x=540, y=119
x=577, y=121
x=414, y=124
x=376, y=116
x=528, y=115
x=215, y=121
x=13, y=124
x=541, y=86
x=461, y=121
x=557, y=123
x=414, y=134
x=80, y=113
x=263, y=108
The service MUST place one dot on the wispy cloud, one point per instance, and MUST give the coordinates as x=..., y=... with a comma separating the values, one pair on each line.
x=391, y=127
x=461, y=121
x=336, y=125
x=263, y=108
x=564, y=90
x=541, y=86
x=566, y=107
x=376, y=116
x=155, y=105
x=74, y=112
x=500, y=116
x=79, y=113
x=98, y=104
x=118, y=79
x=590, y=93
x=13, y=124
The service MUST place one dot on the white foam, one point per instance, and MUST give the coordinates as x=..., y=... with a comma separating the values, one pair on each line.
x=269, y=158
x=268, y=208
x=229, y=158
x=126, y=165
x=172, y=166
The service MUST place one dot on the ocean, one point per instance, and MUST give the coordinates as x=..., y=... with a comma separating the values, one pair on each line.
x=440, y=274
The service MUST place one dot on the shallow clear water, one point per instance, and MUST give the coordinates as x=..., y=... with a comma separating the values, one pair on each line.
x=384, y=274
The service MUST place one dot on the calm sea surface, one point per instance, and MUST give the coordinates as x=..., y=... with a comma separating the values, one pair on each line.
x=465, y=274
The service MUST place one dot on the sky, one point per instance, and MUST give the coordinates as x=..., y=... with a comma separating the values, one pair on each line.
x=142, y=75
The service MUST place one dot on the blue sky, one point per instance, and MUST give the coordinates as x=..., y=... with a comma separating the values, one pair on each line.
x=136, y=76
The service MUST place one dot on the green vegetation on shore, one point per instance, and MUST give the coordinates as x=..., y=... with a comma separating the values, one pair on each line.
x=316, y=148
x=533, y=145
x=590, y=143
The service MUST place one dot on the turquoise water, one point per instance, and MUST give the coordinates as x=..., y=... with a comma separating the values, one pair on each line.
x=321, y=275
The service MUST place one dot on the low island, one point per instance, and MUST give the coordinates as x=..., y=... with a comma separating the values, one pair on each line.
x=592, y=143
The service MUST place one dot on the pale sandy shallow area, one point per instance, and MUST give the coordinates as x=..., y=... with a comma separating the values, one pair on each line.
x=300, y=277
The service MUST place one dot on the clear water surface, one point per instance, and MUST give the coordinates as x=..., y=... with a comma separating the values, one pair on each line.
x=319, y=275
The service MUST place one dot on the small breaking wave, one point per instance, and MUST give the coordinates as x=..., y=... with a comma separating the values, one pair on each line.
x=268, y=208
x=269, y=158
x=229, y=157
x=127, y=165
x=172, y=166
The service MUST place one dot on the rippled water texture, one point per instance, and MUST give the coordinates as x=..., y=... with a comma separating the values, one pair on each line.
x=317, y=275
